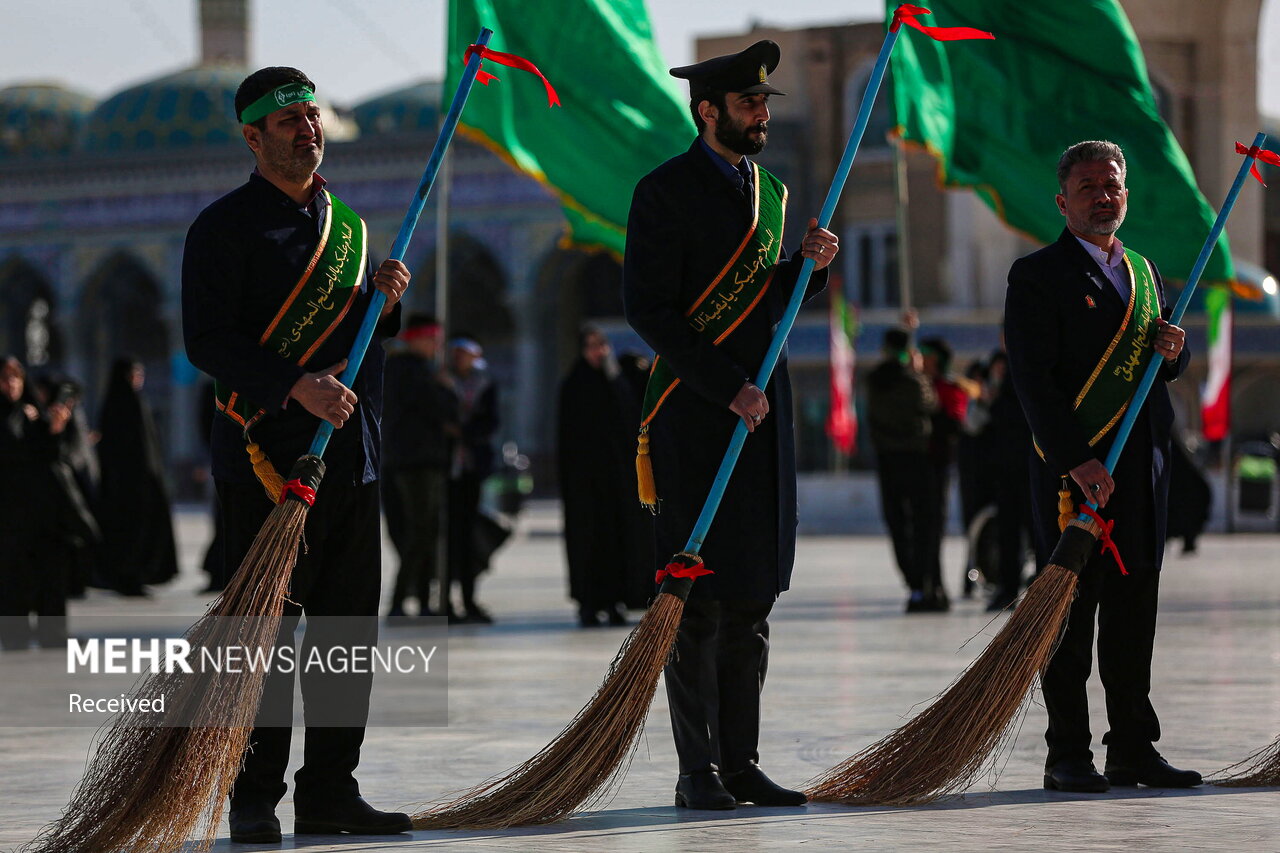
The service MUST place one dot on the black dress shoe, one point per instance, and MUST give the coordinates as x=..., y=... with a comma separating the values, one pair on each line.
x=477, y=615
x=353, y=816
x=752, y=786
x=254, y=824
x=1077, y=775
x=1150, y=770
x=702, y=790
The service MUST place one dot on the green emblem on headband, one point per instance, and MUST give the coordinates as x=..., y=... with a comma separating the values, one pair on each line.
x=277, y=99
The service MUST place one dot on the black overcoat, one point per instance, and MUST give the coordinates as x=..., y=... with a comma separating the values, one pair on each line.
x=686, y=221
x=608, y=536
x=1055, y=338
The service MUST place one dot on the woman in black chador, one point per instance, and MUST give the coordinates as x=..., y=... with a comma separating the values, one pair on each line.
x=133, y=511
x=607, y=534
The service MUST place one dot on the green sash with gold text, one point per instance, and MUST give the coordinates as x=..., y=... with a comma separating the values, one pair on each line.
x=1105, y=396
x=730, y=297
x=315, y=307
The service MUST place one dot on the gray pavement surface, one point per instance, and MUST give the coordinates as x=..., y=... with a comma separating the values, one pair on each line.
x=847, y=666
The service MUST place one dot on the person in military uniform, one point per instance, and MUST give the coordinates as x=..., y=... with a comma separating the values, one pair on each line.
x=1082, y=317
x=705, y=281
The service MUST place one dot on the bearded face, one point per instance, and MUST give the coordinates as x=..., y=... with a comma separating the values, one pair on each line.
x=745, y=136
x=292, y=145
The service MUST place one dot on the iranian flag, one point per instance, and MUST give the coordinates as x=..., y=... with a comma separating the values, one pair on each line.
x=842, y=421
x=1215, y=403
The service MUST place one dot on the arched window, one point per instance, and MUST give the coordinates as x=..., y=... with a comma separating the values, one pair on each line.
x=120, y=315
x=881, y=121
x=27, y=306
x=477, y=292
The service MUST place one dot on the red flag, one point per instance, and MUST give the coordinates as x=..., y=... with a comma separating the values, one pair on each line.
x=842, y=420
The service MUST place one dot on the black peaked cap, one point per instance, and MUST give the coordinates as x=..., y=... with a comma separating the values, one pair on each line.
x=747, y=71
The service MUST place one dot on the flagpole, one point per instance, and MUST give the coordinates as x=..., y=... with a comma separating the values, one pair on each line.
x=900, y=213
x=445, y=180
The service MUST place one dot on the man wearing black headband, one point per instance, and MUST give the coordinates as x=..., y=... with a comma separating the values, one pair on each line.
x=275, y=283
x=705, y=282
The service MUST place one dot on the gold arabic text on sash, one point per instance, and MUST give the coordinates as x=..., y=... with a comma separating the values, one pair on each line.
x=315, y=307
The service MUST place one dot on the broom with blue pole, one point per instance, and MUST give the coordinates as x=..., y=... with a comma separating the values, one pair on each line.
x=577, y=767
x=149, y=785
x=944, y=748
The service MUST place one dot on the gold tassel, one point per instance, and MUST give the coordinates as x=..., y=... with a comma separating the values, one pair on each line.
x=1066, y=509
x=271, y=481
x=644, y=473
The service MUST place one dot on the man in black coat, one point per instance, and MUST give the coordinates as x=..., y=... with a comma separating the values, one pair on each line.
x=685, y=251
x=1069, y=315
x=901, y=405
x=277, y=253
x=419, y=424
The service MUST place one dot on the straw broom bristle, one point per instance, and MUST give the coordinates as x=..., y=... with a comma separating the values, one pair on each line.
x=147, y=786
x=943, y=748
x=1260, y=770
x=575, y=769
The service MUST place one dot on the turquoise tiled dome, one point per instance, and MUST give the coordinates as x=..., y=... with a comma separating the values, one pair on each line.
x=40, y=119
x=195, y=107
x=415, y=107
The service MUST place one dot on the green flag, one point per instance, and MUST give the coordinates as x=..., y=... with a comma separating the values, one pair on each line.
x=622, y=113
x=997, y=118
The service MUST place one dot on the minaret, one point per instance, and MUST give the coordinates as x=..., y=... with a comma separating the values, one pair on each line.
x=224, y=32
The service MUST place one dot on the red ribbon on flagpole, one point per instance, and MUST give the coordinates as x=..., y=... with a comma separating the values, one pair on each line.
x=1104, y=535
x=1262, y=154
x=511, y=61
x=905, y=14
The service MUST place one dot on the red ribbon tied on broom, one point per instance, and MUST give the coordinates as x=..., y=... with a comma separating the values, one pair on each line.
x=511, y=61
x=1104, y=535
x=683, y=565
x=1262, y=154
x=906, y=14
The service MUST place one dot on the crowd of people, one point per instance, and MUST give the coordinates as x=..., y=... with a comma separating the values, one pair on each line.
x=82, y=506
x=926, y=422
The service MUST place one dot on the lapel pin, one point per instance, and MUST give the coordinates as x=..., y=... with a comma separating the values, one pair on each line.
x=1088, y=300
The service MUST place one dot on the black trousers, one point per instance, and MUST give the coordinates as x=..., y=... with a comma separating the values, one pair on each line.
x=1125, y=608
x=714, y=681
x=1013, y=521
x=338, y=574
x=419, y=505
x=908, y=502
x=33, y=580
x=464, y=509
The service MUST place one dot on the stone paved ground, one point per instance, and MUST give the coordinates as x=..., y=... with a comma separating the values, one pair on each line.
x=846, y=666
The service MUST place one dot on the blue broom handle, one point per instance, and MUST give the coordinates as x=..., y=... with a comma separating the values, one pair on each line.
x=1149, y=378
x=373, y=313
x=797, y=297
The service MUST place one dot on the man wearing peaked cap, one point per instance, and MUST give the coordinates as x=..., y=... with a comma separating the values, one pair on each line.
x=705, y=281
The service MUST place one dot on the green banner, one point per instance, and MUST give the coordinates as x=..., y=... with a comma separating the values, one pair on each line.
x=998, y=114
x=622, y=113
